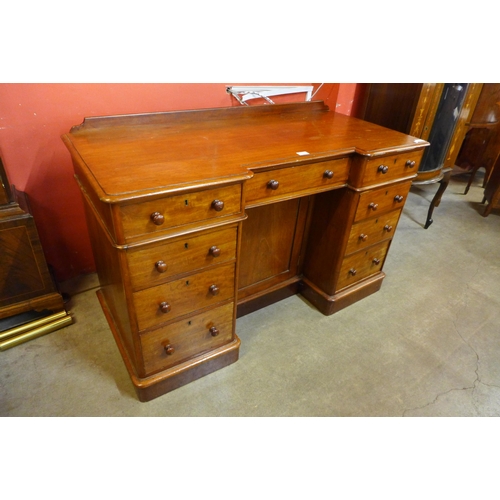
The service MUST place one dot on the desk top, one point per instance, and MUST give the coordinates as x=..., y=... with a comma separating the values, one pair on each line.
x=131, y=156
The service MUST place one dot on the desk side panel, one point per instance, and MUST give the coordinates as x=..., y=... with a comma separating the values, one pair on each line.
x=109, y=267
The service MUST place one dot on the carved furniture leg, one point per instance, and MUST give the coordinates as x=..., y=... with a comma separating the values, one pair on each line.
x=488, y=209
x=471, y=179
x=443, y=184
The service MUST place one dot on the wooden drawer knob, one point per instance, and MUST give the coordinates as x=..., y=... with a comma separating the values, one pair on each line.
x=383, y=168
x=272, y=184
x=376, y=261
x=214, y=289
x=214, y=251
x=157, y=218
x=328, y=174
x=410, y=164
x=388, y=228
x=373, y=206
x=165, y=307
x=352, y=271
x=169, y=349
x=398, y=198
x=363, y=237
x=161, y=266
x=217, y=205
x=214, y=331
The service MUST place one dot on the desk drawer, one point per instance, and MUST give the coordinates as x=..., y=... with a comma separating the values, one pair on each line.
x=156, y=264
x=173, y=211
x=370, y=231
x=362, y=264
x=389, y=168
x=177, y=342
x=376, y=201
x=285, y=182
x=166, y=302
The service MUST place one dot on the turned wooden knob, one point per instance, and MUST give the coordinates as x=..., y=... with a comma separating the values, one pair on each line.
x=169, y=349
x=214, y=251
x=165, y=307
x=213, y=331
x=373, y=206
x=363, y=237
x=376, y=261
x=217, y=205
x=398, y=198
x=388, y=228
x=157, y=218
x=273, y=184
x=328, y=174
x=352, y=271
x=410, y=163
x=214, y=289
x=161, y=266
x=383, y=168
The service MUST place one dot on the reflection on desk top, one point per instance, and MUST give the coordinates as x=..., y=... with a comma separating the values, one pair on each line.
x=148, y=153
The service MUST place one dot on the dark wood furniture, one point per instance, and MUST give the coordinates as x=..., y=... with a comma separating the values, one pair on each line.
x=196, y=217
x=436, y=112
x=481, y=145
x=30, y=305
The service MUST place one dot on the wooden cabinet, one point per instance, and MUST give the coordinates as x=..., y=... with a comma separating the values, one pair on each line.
x=481, y=145
x=30, y=304
x=198, y=217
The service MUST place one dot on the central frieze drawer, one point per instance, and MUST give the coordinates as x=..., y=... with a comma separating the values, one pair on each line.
x=177, y=342
x=376, y=201
x=166, y=302
x=283, y=182
x=156, y=264
x=370, y=231
x=174, y=211
x=362, y=264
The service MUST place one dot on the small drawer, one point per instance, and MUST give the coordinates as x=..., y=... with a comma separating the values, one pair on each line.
x=178, y=210
x=376, y=201
x=387, y=168
x=156, y=264
x=166, y=302
x=362, y=264
x=370, y=231
x=300, y=180
x=177, y=342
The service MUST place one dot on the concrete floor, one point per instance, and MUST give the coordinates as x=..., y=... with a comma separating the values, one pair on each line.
x=427, y=344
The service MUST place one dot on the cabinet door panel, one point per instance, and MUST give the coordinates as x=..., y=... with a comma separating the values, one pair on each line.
x=270, y=247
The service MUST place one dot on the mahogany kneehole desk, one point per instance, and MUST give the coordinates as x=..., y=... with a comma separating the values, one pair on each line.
x=196, y=217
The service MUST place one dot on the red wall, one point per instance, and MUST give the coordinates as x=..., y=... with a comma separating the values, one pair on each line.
x=34, y=116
